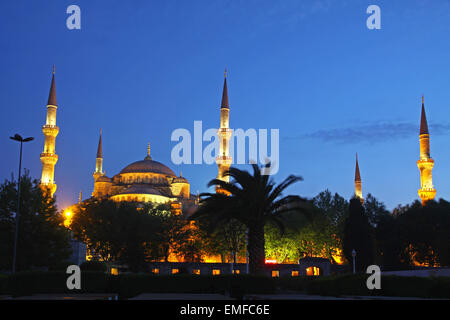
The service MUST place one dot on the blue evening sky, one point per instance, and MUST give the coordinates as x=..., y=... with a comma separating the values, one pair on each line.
x=312, y=69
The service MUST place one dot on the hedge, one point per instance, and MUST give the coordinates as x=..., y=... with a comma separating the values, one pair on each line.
x=130, y=285
x=391, y=286
x=3, y=284
x=32, y=282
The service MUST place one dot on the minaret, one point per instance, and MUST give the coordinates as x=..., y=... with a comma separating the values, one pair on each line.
x=50, y=130
x=99, y=160
x=358, y=189
x=223, y=160
x=425, y=163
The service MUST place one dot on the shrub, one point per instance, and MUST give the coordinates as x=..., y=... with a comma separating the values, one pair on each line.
x=394, y=286
x=33, y=282
x=3, y=284
x=97, y=266
x=236, y=286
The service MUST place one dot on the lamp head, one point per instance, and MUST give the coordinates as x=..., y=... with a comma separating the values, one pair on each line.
x=17, y=137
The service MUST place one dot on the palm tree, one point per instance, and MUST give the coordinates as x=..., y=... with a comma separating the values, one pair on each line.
x=254, y=200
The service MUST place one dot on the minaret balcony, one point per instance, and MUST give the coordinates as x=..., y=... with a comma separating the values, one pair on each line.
x=49, y=157
x=224, y=160
x=224, y=132
x=50, y=130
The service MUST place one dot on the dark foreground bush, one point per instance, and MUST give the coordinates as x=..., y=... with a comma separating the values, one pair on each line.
x=3, y=283
x=33, y=282
x=393, y=286
x=97, y=266
x=236, y=286
x=130, y=285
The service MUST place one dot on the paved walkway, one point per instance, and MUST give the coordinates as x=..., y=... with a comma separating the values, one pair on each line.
x=180, y=296
x=63, y=296
x=313, y=297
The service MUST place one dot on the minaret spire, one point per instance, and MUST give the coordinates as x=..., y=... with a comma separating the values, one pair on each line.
x=99, y=148
x=358, y=186
x=223, y=160
x=50, y=130
x=423, y=120
x=225, y=93
x=148, y=153
x=425, y=163
x=99, y=159
x=52, y=94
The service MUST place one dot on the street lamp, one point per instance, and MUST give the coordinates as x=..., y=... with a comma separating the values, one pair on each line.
x=246, y=246
x=354, y=258
x=18, y=138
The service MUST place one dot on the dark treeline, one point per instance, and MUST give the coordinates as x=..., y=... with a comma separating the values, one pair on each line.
x=133, y=234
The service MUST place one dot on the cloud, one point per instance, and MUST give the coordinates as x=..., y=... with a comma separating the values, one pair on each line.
x=372, y=133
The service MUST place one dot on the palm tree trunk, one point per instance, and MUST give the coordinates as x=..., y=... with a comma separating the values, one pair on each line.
x=256, y=250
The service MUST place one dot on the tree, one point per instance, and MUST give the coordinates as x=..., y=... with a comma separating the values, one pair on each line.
x=43, y=241
x=358, y=236
x=375, y=210
x=121, y=232
x=424, y=233
x=227, y=239
x=253, y=200
x=173, y=234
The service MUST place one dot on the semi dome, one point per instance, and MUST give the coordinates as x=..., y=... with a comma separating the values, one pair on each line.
x=148, y=166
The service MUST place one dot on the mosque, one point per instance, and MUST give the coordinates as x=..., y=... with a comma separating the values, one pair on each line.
x=144, y=180
x=148, y=180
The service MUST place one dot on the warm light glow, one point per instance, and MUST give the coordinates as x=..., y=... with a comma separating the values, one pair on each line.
x=175, y=271
x=271, y=261
x=338, y=256
x=68, y=218
x=196, y=271
x=114, y=271
x=295, y=273
x=216, y=272
x=275, y=273
x=312, y=271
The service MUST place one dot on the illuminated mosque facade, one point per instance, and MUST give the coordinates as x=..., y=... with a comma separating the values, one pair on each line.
x=148, y=180
x=145, y=180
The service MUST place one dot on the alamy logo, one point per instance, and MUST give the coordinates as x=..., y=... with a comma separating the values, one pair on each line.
x=74, y=20
x=374, y=281
x=190, y=150
x=74, y=280
x=374, y=20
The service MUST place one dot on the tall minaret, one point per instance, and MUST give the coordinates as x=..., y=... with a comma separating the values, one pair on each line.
x=425, y=163
x=223, y=160
x=50, y=130
x=358, y=189
x=99, y=160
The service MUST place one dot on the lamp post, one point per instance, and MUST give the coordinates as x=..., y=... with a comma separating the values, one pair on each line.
x=354, y=259
x=246, y=246
x=18, y=138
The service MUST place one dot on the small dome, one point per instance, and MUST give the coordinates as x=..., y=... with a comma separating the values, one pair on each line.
x=179, y=180
x=148, y=165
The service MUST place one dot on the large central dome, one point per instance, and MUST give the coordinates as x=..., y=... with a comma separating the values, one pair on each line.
x=148, y=165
